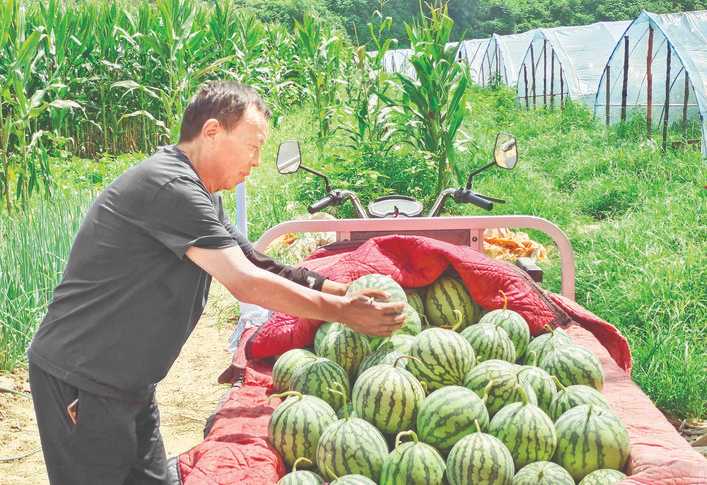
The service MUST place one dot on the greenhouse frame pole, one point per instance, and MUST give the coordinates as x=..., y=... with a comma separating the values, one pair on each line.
x=562, y=87
x=545, y=72
x=532, y=60
x=608, y=95
x=649, y=83
x=552, y=79
x=687, y=97
x=624, y=90
x=525, y=79
x=666, y=107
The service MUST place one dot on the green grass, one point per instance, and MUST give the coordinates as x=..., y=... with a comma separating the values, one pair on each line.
x=635, y=216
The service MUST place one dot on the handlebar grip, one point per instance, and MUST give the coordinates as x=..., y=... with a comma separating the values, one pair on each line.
x=321, y=204
x=472, y=198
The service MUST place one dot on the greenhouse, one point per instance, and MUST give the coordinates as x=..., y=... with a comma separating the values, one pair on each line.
x=503, y=56
x=658, y=71
x=397, y=61
x=472, y=52
x=566, y=62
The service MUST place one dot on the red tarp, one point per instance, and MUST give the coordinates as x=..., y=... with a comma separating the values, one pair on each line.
x=236, y=448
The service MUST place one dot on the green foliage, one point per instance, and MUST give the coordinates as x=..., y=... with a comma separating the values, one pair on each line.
x=430, y=106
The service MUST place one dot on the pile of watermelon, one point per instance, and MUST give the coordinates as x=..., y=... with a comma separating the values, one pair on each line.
x=455, y=396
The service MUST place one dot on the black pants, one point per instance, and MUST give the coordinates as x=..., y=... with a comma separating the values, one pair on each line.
x=113, y=442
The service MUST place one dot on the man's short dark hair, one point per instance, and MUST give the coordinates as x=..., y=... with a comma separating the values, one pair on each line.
x=224, y=101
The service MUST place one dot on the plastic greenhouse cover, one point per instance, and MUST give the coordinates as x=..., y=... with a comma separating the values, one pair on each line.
x=397, y=61
x=582, y=51
x=687, y=33
x=472, y=53
x=511, y=50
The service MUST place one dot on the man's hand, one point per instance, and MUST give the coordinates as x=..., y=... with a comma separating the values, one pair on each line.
x=364, y=314
x=334, y=288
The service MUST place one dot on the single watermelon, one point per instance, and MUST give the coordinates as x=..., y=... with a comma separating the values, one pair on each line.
x=480, y=458
x=322, y=332
x=287, y=364
x=378, y=282
x=543, y=343
x=590, y=438
x=543, y=473
x=448, y=414
x=381, y=356
x=603, y=477
x=442, y=358
x=296, y=425
x=325, y=379
x=573, y=396
x=415, y=300
x=299, y=477
x=353, y=480
x=514, y=324
x=448, y=304
x=498, y=389
x=412, y=463
x=345, y=347
x=490, y=342
x=542, y=383
x=351, y=446
x=572, y=364
x=526, y=430
x=388, y=397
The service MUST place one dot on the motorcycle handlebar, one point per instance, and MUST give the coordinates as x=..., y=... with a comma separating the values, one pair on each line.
x=321, y=204
x=469, y=197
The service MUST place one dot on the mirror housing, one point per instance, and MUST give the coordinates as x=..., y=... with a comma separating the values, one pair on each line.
x=289, y=157
x=505, y=152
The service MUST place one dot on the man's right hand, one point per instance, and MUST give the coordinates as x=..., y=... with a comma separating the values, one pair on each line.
x=364, y=314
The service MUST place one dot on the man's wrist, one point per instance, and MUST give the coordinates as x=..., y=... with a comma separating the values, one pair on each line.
x=334, y=288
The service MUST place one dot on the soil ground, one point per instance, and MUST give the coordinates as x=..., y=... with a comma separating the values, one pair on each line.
x=186, y=397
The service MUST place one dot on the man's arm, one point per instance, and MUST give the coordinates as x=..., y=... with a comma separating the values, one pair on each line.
x=250, y=284
x=302, y=276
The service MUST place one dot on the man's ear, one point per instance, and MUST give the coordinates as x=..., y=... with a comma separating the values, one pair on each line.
x=210, y=128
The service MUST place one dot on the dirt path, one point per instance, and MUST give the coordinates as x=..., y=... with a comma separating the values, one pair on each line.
x=187, y=396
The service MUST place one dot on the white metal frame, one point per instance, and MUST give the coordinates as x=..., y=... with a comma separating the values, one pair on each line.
x=476, y=225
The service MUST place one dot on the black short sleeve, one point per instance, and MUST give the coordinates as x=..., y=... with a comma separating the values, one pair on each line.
x=183, y=215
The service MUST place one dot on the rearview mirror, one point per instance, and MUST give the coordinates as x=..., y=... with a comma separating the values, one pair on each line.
x=289, y=157
x=505, y=153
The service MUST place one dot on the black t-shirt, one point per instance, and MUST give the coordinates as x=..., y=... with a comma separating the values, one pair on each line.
x=129, y=298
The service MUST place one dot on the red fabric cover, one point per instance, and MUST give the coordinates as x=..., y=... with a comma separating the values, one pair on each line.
x=235, y=451
x=415, y=261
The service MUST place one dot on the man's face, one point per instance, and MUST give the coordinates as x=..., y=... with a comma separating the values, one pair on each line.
x=234, y=153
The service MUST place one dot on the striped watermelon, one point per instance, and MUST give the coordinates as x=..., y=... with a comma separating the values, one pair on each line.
x=401, y=343
x=286, y=366
x=448, y=414
x=345, y=347
x=480, y=458
x=542, y=383
x=448, y=304
x=322, y=332
x=378, y=282
x=603, y=477
x=590, y=438
x=387, y=397
x=381, y=356
x=297, y=423
x=572, y=364
x=490, y=342
x=543, y=473
x=353, y=480
x=443, y=358
x=514, y=324
x=297, y=477
x=351, y=446
x=573, y=396
x=526, y=430
x=411, y=326
x=498, y=389
x=415, y=300
x=323, y=378
x=540, y=345
x=412, y=463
